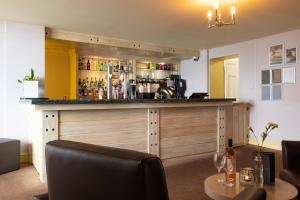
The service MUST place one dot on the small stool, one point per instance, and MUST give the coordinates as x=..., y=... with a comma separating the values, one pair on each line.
x=9, y=155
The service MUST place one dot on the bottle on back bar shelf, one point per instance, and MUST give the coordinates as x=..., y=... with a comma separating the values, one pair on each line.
x=98, y=66
x=95, y=65
x=79, y=87
x=230, y=165
x=88, y=65
x=83, y=64
x=79, y=64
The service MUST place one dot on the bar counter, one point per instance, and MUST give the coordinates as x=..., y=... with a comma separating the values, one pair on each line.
x=166, y=128
x=45, y=104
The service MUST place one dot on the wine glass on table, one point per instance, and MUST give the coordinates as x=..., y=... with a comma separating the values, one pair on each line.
x=219, y=162
x=229, y=172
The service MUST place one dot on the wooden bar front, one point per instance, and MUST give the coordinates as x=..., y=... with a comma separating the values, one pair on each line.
x=168, y=130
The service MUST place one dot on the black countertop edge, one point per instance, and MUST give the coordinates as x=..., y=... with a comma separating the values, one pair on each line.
x=45, y=101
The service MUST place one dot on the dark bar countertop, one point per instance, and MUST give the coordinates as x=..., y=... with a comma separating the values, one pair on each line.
x=45, y=101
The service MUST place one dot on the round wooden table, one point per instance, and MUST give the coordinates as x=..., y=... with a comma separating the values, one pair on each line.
x=282, y=190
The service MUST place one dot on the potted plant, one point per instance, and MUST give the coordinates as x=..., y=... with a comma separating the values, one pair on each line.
x=30, y=85
x=263, y=174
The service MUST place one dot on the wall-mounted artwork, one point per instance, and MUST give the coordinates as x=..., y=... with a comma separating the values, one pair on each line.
x=276, y=92
x=265, y=77
x=276, y=76
x=276, y=55
x=291, y=55
x=289, y=75
x=265, y=93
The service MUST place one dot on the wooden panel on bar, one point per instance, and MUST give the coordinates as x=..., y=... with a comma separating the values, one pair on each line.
x=49, y=133
x=153, y=131
x=221, y=130
x=187, y=131
x=237, y=122
x=116, y=128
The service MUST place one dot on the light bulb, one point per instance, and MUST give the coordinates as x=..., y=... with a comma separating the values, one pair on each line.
x=209, y=14
x=216, y=5
x=232, y=10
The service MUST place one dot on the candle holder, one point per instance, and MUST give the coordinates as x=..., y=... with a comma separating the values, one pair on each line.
x=247, y=176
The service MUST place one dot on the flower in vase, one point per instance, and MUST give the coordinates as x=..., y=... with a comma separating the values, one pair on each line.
x=268, y=128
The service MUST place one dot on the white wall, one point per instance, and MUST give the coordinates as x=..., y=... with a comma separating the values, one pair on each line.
x=195, y=73
x=286, y=111
x=254, y=57
x=22, y=48
x=2, y=82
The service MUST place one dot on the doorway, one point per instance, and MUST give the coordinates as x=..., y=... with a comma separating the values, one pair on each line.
x=224, y=77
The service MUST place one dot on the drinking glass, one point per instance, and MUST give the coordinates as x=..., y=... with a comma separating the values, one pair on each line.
x=229, y=171
x=219, y=162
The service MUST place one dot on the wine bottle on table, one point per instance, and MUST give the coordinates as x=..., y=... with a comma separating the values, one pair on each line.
x=230, y=164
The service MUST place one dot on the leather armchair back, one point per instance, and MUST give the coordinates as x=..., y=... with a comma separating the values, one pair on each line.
x=77, y=171
x=291, y=154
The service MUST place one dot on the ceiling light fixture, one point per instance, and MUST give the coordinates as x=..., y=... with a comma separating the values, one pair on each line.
x=218, y=22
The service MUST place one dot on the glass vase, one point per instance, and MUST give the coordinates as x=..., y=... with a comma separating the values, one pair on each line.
x=258, y=171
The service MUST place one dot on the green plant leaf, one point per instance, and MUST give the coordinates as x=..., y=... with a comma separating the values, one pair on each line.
x=29, y=77
x=31, y=74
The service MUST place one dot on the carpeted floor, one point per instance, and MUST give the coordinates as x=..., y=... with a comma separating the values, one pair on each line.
x=185, y=177
x=21, y=184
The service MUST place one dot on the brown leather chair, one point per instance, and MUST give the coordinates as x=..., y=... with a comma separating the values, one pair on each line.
x=291, y=163
x=252, y=193
x=77, y=171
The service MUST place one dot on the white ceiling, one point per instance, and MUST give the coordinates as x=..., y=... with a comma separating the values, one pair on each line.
x=178, y=23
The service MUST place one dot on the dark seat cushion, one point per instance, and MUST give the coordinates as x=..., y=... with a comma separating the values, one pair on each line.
x=291, y=163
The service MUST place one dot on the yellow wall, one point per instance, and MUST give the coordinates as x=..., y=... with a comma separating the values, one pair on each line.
x=217, y=82
x=73, y=73
x=61, y=72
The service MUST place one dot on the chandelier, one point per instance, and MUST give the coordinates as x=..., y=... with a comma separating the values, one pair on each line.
x=217, y=21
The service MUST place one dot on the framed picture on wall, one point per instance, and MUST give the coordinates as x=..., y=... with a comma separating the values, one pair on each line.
x=289, y=75
x=276, y=76
x=265, y=92
x=276, y=55
x=276, y=92
x=291, y=55
x=265, y=77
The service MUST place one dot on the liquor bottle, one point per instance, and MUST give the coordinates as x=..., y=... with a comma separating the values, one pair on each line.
x=230, y=165
x=101, y=67
x=98, y=66
x=95, y=65
x=91, y=87
x=87, y=89
x=106, y=67
x=84, y=88
x=79, y=87
x=79, y=64
x=83, y=64
x=87, y=82
x=88, y=65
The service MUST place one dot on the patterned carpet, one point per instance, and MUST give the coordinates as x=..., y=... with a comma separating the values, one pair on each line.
x=185, y=177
